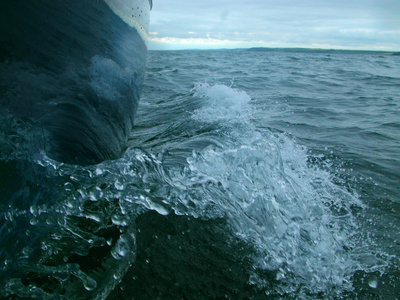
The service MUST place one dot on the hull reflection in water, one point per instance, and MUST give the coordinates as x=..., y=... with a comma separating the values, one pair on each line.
x=71, y=74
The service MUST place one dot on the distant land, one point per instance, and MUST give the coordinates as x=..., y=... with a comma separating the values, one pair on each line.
x=296, y=50
x=314, y=50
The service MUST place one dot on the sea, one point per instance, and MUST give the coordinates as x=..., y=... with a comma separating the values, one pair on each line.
x=249, y=174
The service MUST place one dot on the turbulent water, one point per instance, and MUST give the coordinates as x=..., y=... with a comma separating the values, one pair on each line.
x=249, y=174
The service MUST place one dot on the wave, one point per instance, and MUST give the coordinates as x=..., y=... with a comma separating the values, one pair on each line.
x=300, y=221
x=291, y=225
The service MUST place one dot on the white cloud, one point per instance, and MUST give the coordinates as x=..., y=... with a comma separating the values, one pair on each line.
x=358, y=24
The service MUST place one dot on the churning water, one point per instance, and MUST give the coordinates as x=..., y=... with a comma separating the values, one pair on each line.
x=249, y=174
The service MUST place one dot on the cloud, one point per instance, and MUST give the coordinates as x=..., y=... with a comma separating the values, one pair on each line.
x=356, y=24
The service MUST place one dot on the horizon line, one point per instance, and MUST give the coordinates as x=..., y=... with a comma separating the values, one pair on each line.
x=282, y=48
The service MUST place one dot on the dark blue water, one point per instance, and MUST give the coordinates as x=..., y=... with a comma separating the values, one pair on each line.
x=248, y=175
x=291, y=160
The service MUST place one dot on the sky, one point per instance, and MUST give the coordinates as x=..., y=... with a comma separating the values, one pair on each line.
x=326, y=24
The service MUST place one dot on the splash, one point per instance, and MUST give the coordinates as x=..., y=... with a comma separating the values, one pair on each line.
x=299, y=220
x=223, y=103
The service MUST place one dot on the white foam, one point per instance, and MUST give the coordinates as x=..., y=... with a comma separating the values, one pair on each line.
x=273, y=199
x=221, y=103
x=299, y=222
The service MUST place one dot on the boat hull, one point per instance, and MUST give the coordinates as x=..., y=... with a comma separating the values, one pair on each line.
x=71, y=74
x=74, y=69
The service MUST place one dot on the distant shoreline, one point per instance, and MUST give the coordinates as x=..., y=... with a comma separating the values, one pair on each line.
x=315, y=50
x=295, y=50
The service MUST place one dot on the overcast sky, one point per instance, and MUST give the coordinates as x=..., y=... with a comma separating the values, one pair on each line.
x=337, y=24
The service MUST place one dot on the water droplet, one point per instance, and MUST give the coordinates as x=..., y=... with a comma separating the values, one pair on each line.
x=68, y=187
x=89, y=284
x=33, y=221
x=120, y=249
x=119, y=186
x=373, y=282
x=56, y=236
x=44, y=246
x=8, y=216
x=26, y=250
x=119, y=220
x=92, y=196
x=99, y=171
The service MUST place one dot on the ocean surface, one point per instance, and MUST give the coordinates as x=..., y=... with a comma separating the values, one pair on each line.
x=249, y=174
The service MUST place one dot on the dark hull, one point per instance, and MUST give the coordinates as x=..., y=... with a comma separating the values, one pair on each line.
x=74, y=69
x=70, y=79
